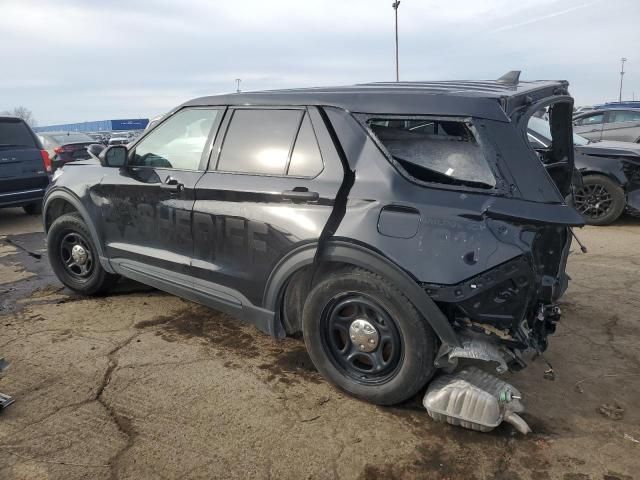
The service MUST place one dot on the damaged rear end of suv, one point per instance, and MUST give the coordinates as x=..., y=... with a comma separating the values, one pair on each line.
x=448, y=198
x=398, y=226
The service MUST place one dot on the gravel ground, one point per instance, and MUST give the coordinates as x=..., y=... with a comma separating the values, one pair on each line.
x=141, y=384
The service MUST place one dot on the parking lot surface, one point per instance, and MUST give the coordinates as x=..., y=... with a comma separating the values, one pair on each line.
x=141, y=384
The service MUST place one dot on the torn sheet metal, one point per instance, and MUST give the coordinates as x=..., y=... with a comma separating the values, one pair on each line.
x=474, y=348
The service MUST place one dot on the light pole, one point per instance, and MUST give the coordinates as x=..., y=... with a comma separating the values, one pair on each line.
x=395, y=6
x=238, y=80
x=622, y=60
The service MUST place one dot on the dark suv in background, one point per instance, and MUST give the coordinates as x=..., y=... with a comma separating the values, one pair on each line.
x=397, y=226
x=24, y=166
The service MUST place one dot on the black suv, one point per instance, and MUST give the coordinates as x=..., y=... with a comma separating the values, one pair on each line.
x=24, y=166
x=397, y=226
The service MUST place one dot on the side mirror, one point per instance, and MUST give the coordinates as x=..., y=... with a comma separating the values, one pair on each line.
x=114, y=156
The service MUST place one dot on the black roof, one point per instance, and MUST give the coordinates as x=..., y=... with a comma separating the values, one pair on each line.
x=492, y=99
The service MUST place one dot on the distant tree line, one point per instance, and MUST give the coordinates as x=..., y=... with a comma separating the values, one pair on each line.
x=23, y=113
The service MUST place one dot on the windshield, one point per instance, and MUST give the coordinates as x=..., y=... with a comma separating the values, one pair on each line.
x=542, y=128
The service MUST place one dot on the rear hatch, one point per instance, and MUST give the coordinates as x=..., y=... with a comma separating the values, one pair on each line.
x=21, y=161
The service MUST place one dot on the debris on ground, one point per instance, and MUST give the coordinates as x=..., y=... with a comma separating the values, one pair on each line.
x=611, y=410
x=474, y=399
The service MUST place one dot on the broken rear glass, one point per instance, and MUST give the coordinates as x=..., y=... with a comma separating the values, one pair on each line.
x=435, y=151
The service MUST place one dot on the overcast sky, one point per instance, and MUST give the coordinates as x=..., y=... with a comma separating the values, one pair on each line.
x=77, y=60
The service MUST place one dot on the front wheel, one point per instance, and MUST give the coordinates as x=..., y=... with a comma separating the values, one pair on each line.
x=74, y=257
x=365, y=337
x=600, y=200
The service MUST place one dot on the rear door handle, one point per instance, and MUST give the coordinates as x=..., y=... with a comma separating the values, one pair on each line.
x=300, y=194
x=172, y=185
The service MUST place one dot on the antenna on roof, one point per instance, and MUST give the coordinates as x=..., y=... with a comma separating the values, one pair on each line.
x=510, y=78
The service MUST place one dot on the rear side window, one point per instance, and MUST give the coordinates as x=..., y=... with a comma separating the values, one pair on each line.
x=305, y=159
x=15, y=133
x=435, y=151
x=270, y=142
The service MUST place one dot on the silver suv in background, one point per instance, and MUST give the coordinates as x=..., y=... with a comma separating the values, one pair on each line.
x=621, y=124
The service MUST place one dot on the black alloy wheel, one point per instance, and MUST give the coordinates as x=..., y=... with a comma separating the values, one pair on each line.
x=600, y=200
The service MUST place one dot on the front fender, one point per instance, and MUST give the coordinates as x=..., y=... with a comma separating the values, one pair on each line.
x=58, y=194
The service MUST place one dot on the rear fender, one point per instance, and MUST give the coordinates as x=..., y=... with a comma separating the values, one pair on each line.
x=362, y=257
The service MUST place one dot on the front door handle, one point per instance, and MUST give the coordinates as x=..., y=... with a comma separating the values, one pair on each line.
x=301, y=195
x=172, y=185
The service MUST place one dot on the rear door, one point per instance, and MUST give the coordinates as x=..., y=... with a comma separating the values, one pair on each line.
x=622, y=125
x=590, y=126
x=21, y=164
x=146, y=206
x=270, y=186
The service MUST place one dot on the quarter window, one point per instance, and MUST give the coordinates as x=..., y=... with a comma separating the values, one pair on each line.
x=270, y=142
x=178, y=142
x=436, y=151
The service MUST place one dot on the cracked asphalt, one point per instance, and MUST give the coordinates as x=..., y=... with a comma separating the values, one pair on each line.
x=141, y=384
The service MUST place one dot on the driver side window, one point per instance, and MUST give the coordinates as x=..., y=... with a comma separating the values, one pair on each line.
x=178, y=142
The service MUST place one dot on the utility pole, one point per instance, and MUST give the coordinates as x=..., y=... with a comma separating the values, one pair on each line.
x=622, y=60
x=395, y=6
x=238, y=80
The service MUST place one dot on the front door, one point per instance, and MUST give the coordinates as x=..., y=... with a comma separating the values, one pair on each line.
x=146, y=206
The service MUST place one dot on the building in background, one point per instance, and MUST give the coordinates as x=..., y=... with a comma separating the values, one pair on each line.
x=127, y=124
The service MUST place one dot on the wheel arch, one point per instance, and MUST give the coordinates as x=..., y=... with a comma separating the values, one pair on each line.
x=359, y=256
x=614, y=174
x=61, y=202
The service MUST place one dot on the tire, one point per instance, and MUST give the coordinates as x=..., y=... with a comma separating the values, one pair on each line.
x=600, y=200
x=343, y=298
x=88, y=278
x=33, y=208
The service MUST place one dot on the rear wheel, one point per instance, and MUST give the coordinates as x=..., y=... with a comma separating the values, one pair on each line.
x=600, y=200
x=365, y=337
x=74, y=258
x=33, y=208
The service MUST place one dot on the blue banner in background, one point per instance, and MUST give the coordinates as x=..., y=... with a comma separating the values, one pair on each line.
x=97, y=126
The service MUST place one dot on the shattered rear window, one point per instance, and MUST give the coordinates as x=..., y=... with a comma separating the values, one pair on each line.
x=435, y=151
